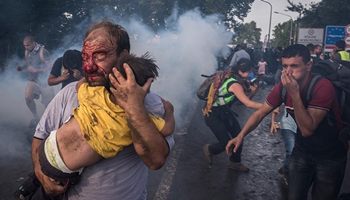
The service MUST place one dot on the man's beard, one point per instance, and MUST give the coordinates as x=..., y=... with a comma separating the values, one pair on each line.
x=104, y=81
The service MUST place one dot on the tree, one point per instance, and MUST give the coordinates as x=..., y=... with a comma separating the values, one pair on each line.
x=247, y=33
x=50, y=21
x=281, y=34
x=326, y=12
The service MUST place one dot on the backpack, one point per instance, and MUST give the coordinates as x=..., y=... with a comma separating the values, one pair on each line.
x=339, y=74
x=217, y=78
x=208, y=90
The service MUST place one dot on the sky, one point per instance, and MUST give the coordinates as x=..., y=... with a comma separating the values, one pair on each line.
x=260, y=13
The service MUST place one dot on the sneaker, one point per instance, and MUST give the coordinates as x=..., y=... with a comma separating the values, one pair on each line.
x=208, y=156
x=27, y=188
x=284, y=180
x=237, y=166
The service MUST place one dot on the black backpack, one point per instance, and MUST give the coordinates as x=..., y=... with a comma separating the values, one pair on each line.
x=339, y=74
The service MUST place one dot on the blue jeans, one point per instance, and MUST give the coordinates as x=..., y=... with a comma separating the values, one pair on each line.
x=324, y=175
x=288, y=138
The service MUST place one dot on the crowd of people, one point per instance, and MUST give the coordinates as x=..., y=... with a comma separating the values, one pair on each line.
x=315, y=155
x=104, y=129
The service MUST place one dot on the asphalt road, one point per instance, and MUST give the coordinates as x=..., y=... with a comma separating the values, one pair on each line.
x=187, y=176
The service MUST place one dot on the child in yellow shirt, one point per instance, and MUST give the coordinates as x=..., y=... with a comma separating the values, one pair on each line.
x=98, y=128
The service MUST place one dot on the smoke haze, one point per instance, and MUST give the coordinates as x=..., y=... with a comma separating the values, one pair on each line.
x=187, y=49
x=183, y=53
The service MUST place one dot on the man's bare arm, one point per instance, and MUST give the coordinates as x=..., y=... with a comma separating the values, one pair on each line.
x=252, y=122
x=307, y=119
x=169, y=118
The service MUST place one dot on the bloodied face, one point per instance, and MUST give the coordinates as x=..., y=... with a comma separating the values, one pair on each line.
x=99, y=57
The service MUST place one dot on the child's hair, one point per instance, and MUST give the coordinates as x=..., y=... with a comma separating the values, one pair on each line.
x=143, y=67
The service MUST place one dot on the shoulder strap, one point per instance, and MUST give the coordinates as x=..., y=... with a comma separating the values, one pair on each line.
x=283, y=94
x=311, y=86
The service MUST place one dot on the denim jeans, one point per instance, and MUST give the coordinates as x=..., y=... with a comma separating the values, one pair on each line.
x=288, y=138
x=324, y=175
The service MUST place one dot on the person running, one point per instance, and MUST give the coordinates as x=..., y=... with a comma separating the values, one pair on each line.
x=288, y=129
x=36, y=63
x=222, y=120
x=319, y=157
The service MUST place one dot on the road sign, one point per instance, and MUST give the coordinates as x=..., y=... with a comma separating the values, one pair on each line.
x=347, y=40
x=310, y=35
x=332, y=35
x=348, y=29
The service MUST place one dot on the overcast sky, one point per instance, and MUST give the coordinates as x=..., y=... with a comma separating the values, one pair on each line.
x=260, y=13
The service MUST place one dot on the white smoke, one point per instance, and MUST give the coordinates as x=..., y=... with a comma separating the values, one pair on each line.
x=183, y=53
x=187, y=49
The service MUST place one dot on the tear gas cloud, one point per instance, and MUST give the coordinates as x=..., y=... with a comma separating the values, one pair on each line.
x=183, y=53
x=187, y=49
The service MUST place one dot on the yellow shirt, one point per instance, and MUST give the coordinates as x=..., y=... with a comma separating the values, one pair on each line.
x=103, y=123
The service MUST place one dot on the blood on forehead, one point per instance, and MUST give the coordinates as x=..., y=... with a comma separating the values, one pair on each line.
x=90, y=47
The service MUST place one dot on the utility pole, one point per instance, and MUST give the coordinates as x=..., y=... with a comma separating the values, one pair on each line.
x=268, y=36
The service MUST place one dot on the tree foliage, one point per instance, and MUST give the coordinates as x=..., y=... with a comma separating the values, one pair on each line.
x=247, y=33
x=281, y=34
x=52, y=20
x=326, y=12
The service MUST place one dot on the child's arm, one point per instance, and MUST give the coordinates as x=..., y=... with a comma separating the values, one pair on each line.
x=274, y=124
x=169, y=119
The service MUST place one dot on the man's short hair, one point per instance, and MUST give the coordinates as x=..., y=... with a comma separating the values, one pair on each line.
x=72, y=59
x=116, y=32
x=29, y=38
x=317, y=45
x=297, y=50
x=340, y=44
x=310, y=46
x=143, y=67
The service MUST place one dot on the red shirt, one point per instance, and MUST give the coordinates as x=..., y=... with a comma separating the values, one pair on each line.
x=323, y=96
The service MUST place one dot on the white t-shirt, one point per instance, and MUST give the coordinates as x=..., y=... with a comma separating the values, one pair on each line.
x=262, y=67
x=287, y=122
